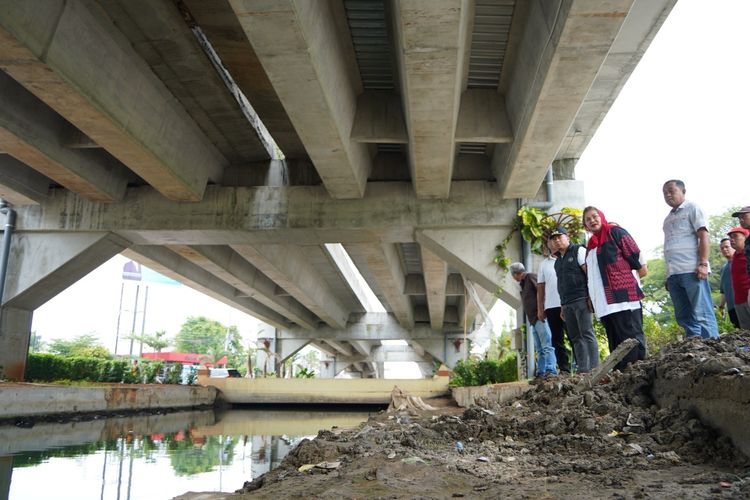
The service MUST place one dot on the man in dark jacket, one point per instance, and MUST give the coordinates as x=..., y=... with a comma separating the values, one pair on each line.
x=743, y=215
x=570, y=267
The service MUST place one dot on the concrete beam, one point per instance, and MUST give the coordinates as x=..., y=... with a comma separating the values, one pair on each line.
x=221, y=26
x=33, y=133
x=228, y=265
x=367, y=327
x=178, y=268
x=472, y=251
x=72, y=57
x=42, y=265
x=379, y=119
x=20, y=184
x=432, y=39
x=559, y=55
x=363, y=347
x=299, y=215
x=306, y=50
x=380, y=265
x=638, y=30
x=159, y=32
x=288, y=267
x=435, y=272
x=483, y=118
x=395, y=353
x=340, y=347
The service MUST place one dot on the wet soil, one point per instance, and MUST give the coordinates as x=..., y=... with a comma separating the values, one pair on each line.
x=563, y=439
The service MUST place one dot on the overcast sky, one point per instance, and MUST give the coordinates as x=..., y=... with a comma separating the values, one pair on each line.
x=683, y=113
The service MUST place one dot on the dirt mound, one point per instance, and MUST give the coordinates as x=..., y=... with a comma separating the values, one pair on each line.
x=559, y=437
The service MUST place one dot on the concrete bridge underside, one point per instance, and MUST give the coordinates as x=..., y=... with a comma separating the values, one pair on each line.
x=228, y=143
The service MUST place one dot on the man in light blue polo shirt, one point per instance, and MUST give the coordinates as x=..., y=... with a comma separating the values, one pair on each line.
x=686, y=247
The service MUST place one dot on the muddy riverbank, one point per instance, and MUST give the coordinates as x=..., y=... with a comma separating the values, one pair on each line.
x=561, y=439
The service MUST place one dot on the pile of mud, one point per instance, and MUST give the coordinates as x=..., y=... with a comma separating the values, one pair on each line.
x=562, y=437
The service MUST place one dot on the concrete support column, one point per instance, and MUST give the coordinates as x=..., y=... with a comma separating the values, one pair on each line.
x=564, y=170
x=327, y=368
x=15, y=330
x=380, y=369
x=6, y=474
x=265, y=357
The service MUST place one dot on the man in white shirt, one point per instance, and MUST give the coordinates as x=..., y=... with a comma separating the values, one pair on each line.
x=548, y=306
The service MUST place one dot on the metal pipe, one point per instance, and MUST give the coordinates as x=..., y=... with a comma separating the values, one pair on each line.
x=526, y=259
x=10, y=224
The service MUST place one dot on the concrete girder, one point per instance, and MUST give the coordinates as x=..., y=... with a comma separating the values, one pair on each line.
x=435, y=272
x=178, y=268
x=307, y=52
x=221, y=26
x=389, y=212
x=288, y=267
x=472, y=251
x=396, y=353
x=323, y=347
x=367, y=327
x=340, y=347
x=41, y=265
x=559, y=54
x=21, y=185
x=33, y=133
x=380, y=265
x=638, y=30
x=72, y=57
x=363, y=347
x=432, y=41
x=160, y=34
x=228, y=265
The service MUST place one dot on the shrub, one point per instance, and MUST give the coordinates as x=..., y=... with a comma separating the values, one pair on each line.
x=44, y=367
x=485, y=371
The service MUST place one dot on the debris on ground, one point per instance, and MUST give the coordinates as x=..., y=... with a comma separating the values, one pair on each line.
x=560, y=439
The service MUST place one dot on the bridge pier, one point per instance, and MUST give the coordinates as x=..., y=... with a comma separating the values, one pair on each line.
x=40, y=266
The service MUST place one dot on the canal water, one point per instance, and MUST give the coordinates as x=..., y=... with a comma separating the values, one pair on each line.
x=155, y=456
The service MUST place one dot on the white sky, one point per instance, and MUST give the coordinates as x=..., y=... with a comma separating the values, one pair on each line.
x=682, y=114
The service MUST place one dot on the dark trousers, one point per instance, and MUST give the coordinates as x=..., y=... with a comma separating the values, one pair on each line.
x=557, y=327
x=732, y=317
x=624, y=325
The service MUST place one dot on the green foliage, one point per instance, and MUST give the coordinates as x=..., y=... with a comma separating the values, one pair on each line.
x=486, y=371
x=659, y=334
x=534, y=224
x=304, y=373
x=157, y=341
x=79, y=346
x=173, y=374
x=204, y=336
x=45, y=367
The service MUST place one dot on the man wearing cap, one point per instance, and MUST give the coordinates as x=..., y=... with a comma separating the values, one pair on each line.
x=740, y=278
x=725, y=282
x=572, y=286
x=542, y=335
x=743, y=214
x=686, y=248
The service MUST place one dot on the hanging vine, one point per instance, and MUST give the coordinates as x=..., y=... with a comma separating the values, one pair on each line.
x=535, y=225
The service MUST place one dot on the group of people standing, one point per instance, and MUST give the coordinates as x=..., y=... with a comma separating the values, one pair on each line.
x=603, y=278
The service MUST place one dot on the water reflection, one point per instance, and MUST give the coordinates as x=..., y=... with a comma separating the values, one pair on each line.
x=156, y=456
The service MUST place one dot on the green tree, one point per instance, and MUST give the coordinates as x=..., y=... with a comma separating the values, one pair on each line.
x=206, y=336
x=157, y=341
x=82, y=345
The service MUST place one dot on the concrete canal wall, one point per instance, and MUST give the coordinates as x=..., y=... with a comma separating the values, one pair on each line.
x=322, y=391
x=32, y=400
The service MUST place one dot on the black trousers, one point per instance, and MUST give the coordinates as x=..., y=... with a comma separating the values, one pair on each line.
x=557, y=327
x=733, y=318
x=624, y=325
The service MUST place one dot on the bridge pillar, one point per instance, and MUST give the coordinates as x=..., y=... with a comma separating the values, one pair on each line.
x=327, y=368
x=40, y=266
